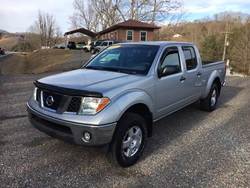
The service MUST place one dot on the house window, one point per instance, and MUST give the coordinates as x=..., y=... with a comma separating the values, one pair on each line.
x=129, y=35
x=143, y=35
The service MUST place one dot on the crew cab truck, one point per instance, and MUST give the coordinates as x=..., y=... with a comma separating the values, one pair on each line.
x=117, y=95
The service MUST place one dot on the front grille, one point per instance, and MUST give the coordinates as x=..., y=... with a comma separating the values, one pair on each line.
x=51, y=100
x=38, y=95
x=58, y=101
x=74, y=104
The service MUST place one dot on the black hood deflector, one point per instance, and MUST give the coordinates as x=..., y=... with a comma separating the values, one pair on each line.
x=67, y=91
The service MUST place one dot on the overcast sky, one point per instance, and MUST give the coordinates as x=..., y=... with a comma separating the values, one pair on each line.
x=18, y=15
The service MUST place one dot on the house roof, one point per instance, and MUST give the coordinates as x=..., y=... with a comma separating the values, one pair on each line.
x=130, y=24
x=82, y=30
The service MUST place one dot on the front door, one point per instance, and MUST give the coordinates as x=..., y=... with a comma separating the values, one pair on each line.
x=170, y=87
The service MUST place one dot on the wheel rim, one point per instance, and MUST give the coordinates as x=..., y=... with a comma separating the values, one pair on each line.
x=131, y=142
x=213, y=98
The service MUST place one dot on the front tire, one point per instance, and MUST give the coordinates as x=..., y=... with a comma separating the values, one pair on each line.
x=210, y=102
x=129, y=140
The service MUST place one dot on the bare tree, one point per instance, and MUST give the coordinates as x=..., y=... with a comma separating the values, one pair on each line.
x=100, y=14
x=84, y=15
x=153, y=10
x=46, y=27
x=96, y=14
x=108, y=12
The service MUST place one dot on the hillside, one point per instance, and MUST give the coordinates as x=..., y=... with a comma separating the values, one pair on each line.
x=3, y=31
x=8, y=43
x=49, y=60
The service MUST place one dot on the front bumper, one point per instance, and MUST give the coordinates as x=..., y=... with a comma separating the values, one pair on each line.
x=71, y=131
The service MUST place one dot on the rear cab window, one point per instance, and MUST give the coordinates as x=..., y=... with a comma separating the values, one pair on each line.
x=190, y=57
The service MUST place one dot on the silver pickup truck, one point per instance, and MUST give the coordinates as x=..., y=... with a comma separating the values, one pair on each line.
x=116, y=97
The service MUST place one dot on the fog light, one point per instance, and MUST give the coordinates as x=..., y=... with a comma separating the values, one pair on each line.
x=86, y=137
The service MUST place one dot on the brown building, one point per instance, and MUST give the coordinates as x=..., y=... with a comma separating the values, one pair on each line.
x=130, y=30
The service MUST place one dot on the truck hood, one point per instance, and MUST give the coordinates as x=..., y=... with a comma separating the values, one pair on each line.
x=90, y=80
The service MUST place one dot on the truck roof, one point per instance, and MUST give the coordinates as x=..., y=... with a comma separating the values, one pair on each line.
x=160, y=43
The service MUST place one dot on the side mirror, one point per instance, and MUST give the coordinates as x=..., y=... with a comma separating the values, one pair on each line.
x=168, y=70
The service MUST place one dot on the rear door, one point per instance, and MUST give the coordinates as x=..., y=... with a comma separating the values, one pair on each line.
x=169, y=88
x=192, y=73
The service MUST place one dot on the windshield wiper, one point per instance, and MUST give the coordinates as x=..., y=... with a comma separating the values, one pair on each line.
x=121, y=70
x=113, y=69
x=127, y=71
x=93, y=67
x=103, y=68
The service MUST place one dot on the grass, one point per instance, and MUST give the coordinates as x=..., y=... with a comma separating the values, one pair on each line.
x=48, y=60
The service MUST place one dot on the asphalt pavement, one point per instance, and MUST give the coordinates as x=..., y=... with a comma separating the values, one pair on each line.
x=190, y=148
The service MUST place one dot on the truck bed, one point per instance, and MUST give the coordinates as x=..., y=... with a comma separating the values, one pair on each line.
x=213, y=68
x=210, y=63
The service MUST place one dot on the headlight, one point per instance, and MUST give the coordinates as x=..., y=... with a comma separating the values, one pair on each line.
x=91, y=105
x=35, y=93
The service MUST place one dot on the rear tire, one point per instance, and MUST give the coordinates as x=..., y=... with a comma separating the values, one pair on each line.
x=129, y=140
x=210, y=102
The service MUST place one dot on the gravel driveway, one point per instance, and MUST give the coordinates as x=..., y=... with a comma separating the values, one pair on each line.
x=190, y=148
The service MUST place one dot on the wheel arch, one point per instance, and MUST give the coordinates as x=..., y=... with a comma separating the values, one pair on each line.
x=214, y=78
x=144, y=111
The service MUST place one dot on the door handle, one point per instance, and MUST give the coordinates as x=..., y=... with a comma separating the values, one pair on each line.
x=182, y=79
x=199, y=74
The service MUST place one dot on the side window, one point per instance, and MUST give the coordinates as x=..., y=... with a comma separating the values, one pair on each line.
x=190, y=57
x=129, y=35
x=105, y=44
x=170, y=60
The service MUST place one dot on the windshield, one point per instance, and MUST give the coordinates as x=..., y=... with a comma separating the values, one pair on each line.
x=126, y=58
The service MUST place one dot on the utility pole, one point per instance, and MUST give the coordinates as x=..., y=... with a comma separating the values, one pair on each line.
x=226, y=44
